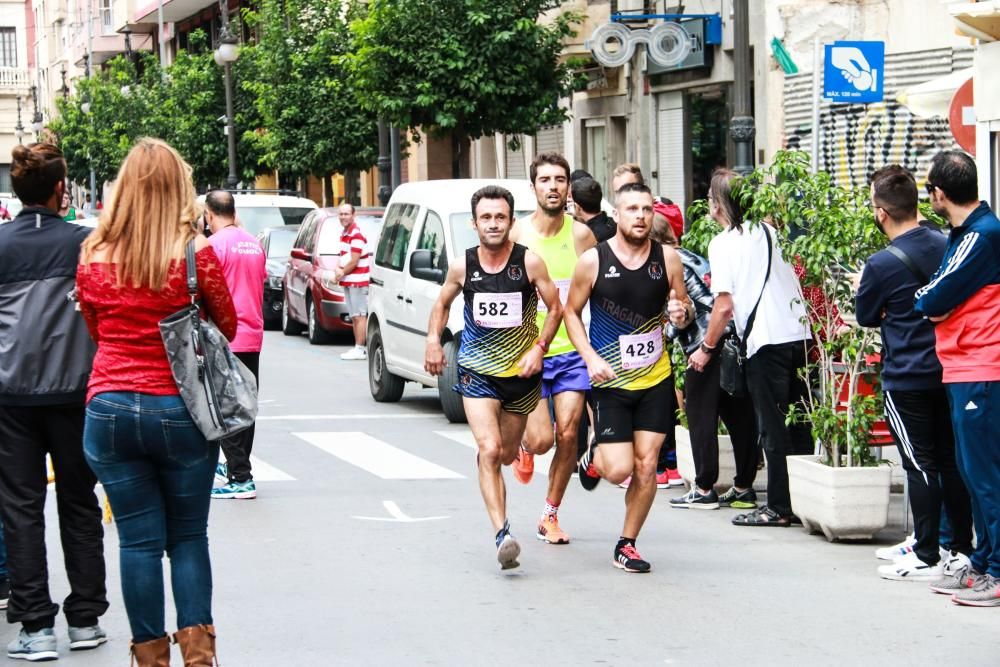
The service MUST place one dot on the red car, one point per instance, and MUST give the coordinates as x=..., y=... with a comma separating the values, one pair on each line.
x=314, y=301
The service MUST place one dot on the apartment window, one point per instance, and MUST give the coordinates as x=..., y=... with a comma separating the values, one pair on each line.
x=107, y=17
x=8, y=47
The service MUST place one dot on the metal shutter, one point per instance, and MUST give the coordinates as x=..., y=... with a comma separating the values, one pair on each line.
x=550, y=140
x=856, y=139
x=516, y=167
x=671, y=167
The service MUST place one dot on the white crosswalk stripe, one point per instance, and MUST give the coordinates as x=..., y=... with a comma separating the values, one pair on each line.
x=377, y=457
x=464, y=437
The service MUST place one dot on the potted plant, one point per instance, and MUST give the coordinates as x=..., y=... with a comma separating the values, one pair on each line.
x=827, y=232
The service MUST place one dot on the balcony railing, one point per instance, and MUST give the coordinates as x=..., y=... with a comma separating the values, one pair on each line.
x=14, y=79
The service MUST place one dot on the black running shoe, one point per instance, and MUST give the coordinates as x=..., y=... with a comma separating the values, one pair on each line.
x=739, y=500
x=589, y=477
x=696, y=501
x=628, y=559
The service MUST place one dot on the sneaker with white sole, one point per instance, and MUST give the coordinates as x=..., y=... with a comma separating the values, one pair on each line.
x=911, y=568
x=221, y=472
x=966, y=577
x=986, y=593
x=896, y=550
x=84, y=638
x=696, y=500
x=34, y=646
x=507, y=548
x=356, y=353
x=239, y=490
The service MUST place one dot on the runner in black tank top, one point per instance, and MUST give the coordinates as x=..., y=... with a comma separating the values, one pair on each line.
x=628, y=281
x=501, y=350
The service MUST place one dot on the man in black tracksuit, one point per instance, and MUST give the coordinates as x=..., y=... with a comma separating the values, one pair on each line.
x=45, y=361
x=916, y=405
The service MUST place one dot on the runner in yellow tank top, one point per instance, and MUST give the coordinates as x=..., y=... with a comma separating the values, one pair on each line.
x=550, y=233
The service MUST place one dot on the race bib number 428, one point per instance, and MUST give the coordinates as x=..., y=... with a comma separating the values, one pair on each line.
x=497, y=311
x=640, y=350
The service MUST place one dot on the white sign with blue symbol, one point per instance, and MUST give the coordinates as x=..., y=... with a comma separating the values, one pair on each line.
x=854, y=72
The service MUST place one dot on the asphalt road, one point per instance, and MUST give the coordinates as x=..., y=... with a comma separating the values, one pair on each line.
x=368, y=544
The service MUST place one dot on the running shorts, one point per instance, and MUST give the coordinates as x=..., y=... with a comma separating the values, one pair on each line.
x=516, y=395
x=619, y=413
x=564, y=372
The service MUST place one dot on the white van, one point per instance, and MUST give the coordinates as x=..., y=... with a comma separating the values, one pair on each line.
x=426, y=225
x=258, y=210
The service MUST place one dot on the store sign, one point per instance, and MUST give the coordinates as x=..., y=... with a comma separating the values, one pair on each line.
x=699, y=56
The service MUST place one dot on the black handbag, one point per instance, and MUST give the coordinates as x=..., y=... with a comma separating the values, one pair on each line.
x=219, y=391
x=733, y=352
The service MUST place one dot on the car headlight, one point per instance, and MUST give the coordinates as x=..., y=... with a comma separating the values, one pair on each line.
x=328, y=279
x=274, y=282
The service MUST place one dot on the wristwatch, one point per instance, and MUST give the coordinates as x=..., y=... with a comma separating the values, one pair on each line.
x=706, y=349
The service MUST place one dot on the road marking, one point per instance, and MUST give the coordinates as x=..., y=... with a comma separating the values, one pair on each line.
x=388, y=415
x=464, y=437
x=377, y=457
x=398, y=515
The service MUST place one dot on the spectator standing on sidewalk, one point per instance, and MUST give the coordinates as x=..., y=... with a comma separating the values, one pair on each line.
x=353, y=276
x=916, y=405
x=153, y=461
x=46, y=360
x=244, y=266
x=963, y=299
x=743, y=282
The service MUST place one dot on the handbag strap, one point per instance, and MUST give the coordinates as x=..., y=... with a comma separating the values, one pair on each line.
x=753, y=313
x=910, y=264
x=192, y=272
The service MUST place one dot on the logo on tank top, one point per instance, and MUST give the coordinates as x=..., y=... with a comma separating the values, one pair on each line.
x=612, y=272
x=476, y=276
x=514, y=272
x=655, y=271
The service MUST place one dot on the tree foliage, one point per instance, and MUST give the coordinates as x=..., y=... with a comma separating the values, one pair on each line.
x=471, y=67
x=315, y=122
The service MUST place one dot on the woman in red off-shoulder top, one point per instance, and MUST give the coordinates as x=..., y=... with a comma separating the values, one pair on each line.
x=155, y=465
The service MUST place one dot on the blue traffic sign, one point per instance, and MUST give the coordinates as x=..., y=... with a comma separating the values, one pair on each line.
x=854, y=72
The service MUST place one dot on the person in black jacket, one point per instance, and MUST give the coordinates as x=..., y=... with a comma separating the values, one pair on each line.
x=45, y=361
x=916, y=404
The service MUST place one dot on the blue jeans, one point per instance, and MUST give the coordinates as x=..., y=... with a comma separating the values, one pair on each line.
x=157, y=469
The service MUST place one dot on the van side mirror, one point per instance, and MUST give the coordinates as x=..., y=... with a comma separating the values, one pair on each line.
x=299, y=253
x=422, y=268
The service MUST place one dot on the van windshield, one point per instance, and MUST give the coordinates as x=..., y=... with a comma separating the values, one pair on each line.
x=257, y=218
x=464, y=235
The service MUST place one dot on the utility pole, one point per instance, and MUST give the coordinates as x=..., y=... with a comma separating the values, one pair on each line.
x=384, y=163
x=159, y=34
x=741, y=126
x=87, y=73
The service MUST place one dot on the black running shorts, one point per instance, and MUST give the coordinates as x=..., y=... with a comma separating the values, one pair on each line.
x=516, y=395
x=619, y=413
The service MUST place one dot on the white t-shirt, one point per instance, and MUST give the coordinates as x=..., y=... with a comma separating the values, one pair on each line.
x=739, y=265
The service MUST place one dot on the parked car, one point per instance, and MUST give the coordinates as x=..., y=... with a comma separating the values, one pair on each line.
x=10, y=206
x=314, y=301
x=256, y=211
x=277, y=244
x=427, y=224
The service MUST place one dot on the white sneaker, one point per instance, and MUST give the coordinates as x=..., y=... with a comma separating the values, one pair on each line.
x=896, y=550
x=911, y=568
x=355, y=354
x=953, y=561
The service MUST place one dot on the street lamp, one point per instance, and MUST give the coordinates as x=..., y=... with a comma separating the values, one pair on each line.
x=19, y=128
x=225, y=56
x=65, y=89
x=741, y=125
x=37, y=123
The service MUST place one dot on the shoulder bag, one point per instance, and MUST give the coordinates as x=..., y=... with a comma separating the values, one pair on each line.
x=733, y=353
x=218, y=390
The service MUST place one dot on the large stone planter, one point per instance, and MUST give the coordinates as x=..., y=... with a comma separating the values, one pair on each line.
x=727, y=465
x=844, y=503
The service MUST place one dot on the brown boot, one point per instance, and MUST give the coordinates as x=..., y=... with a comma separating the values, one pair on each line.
x=155, y=653
x=197, y=644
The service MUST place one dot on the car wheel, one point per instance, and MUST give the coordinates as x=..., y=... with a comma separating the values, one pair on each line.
x=385, y=387
x=451, y=400
x=317, y=334
x=289, y=327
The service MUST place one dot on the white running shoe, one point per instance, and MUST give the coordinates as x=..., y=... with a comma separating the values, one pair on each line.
x=356, y=353
x=896, y=550
x=953, y=561
x=911, y=568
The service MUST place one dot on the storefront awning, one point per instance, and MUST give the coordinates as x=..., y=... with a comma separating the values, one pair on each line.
x=977, y=19
x=932, y=98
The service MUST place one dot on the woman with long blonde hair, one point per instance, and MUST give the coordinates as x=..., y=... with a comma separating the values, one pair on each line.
x=155, y=465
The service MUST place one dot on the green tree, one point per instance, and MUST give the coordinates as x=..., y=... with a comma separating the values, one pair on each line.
x=314, y=120
x=468, y=68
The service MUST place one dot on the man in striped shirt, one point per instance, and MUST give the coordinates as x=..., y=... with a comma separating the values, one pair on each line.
x=353, y=276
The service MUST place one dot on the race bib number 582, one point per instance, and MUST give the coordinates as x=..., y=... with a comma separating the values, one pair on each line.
x=640, y=350
x=497, y=311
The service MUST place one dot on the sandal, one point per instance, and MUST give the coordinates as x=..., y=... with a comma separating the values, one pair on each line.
x=764, y=516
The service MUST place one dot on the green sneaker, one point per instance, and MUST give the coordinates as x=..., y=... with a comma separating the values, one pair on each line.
x=739, y=500
x=239, y=490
